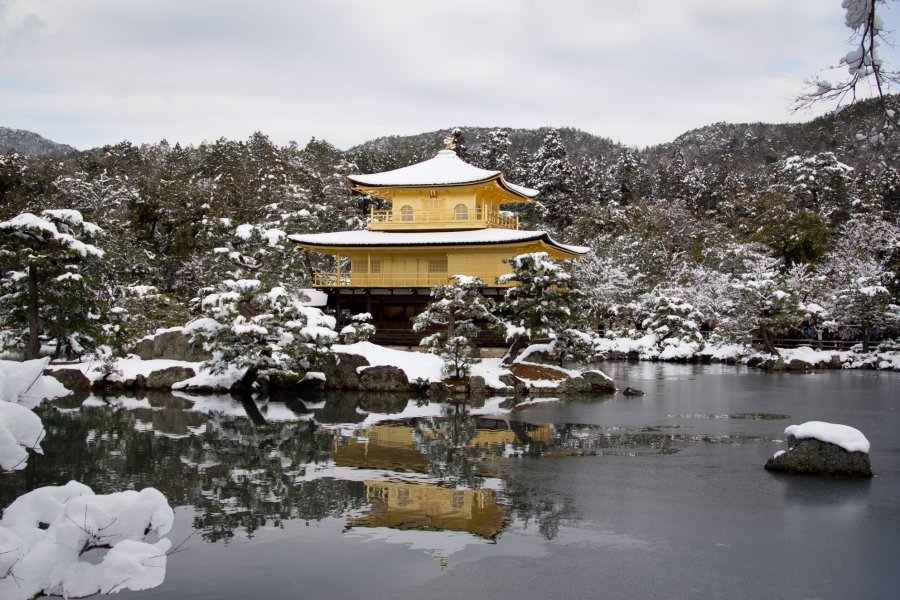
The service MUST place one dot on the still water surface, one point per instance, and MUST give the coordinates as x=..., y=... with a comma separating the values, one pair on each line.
x=347, y=496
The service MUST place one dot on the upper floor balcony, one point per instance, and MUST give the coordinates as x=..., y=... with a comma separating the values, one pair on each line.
x=408, y=218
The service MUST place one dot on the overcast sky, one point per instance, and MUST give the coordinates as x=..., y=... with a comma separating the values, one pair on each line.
x=93, y=72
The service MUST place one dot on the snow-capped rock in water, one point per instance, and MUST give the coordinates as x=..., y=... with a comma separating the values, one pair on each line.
x=823, y=449
x=43, y=535
x=20, y=431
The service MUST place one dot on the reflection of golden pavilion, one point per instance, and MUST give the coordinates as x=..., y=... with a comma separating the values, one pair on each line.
x=420, y=505
x=393, y=446
x=402, y=505
x=390, y=447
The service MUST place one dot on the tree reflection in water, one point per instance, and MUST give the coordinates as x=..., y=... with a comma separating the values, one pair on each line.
x=245, y=465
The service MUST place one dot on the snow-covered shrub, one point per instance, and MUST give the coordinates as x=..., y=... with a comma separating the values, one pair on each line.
x=572, y=345
x=359, y=329
x=66, y=541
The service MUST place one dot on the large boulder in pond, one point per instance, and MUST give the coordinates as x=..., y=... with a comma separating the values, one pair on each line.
x=166, y=378
x=384, y=378
x=341, y=370
x=73, y=380
x=518, y=387
x=820, y=448
x=599, y=382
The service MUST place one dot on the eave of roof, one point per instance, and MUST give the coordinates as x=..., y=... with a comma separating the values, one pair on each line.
x=391, y=239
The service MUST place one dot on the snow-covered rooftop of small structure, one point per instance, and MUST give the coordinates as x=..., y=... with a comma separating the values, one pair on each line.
x=491, y=235
x=444, y=169
x=848, y=438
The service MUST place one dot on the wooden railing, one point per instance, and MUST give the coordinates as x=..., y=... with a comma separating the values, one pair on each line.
x=445, y=215
x=387, y=280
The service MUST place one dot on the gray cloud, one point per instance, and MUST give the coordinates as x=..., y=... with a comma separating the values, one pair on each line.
x=98, y=71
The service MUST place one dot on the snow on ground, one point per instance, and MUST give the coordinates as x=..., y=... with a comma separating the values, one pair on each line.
x=416, y=365
x=848, y=438
x=648, y=347
x=43, y=534
x=419, y=365
x=207, y=379
x=130, y=367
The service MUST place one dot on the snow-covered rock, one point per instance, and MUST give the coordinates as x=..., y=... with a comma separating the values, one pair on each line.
x=20, y=431
x=823, y=448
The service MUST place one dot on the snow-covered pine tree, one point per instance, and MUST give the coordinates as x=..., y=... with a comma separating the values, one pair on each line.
x=819, y=183
x=48, y=288
x=625, y=176
x=555, y=178
x=456, y=141
x=545, y=301
x=263, y=331
x=862, y=299
x=493, y=154
x=670, y=317
x=761, y=303
x=459, y=309
x=254, y=313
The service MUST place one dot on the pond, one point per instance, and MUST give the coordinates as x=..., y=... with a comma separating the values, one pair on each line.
x=352, y=496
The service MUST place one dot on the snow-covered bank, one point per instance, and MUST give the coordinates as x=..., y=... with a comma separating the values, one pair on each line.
x=649, y=347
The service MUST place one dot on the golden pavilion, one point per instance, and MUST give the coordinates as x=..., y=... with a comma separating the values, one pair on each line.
x=445, y=218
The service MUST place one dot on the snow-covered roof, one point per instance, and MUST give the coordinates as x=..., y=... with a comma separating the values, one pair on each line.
x=444, y=169
x=490, y=235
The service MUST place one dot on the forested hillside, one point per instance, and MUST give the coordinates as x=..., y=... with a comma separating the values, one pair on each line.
x=727, y=218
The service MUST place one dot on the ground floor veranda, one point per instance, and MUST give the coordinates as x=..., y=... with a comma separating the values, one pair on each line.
x=393, y=311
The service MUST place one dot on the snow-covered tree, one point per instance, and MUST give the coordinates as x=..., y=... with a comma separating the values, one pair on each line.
x=544, y=301
x=47, y=288
x=672, y=317
x=863, y=65
x=625, y=178
x=608, y=286
x=819, y=183
x=459, y=309
x=493, y=154
x=761, y=303
x=456, y=141
x=262, y=331
x=863, y=300
x=555, y=178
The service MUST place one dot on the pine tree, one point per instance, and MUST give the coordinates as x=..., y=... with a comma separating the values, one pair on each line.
x=494, y=153
x=48, y=288
x=544, y=302
x=456, y=141
x=460, y=309
x=266, y=332
x=761, y=302
x=555, y=179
